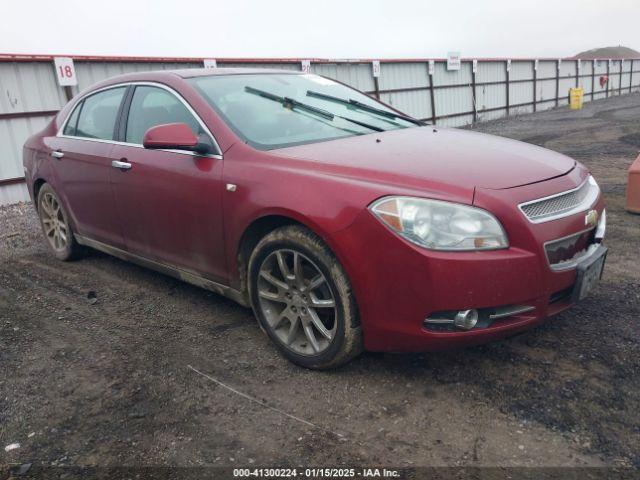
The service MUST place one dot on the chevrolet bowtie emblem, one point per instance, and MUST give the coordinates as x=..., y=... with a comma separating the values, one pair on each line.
x=591, y=218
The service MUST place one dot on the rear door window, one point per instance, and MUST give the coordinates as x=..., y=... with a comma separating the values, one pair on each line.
x=99, y=113
x=152, y=106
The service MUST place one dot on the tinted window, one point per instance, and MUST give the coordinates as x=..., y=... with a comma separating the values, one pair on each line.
x=153, y=106
x=70, y=127
x=98, y=114
x=248, y=103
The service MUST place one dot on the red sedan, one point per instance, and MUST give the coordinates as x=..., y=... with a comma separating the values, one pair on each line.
x=345, y=224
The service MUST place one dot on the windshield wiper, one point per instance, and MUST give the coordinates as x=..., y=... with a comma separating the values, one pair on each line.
x=364, y=106
x=291, y=103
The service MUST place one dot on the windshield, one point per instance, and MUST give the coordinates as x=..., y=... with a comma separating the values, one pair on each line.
x=279, y=110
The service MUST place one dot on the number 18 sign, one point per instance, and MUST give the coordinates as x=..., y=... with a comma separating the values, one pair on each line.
x=65, y=71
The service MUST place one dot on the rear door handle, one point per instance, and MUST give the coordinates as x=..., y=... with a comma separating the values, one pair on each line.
x=121, y=165
x=57, y=154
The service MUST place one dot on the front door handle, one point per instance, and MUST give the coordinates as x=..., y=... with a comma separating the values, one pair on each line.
x=121, y=164
x=57, y=154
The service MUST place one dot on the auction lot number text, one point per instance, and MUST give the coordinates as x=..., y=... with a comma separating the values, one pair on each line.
x=315, y=473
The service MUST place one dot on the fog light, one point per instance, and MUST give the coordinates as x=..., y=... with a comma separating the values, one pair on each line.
x=466, y=319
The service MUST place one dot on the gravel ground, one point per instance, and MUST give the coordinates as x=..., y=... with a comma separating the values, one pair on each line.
x=106, y=381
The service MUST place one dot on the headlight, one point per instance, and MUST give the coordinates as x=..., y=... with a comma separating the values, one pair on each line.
x=440, y=225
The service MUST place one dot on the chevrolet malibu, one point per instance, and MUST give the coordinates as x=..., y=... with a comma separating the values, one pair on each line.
x=343, y=223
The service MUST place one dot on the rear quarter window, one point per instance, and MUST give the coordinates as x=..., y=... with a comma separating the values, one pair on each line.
x=72, y=123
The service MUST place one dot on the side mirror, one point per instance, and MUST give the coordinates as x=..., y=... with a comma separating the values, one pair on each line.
x=174, y=136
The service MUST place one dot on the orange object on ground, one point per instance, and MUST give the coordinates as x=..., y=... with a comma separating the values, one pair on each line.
x=633, y=187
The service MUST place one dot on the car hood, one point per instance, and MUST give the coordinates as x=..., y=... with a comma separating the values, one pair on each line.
x=460, y=158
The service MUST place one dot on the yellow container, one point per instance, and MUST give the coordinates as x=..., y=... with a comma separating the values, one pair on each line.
x=576, y=96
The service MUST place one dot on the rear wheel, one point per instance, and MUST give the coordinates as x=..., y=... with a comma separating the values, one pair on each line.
x=303, y=300
x=55, y=225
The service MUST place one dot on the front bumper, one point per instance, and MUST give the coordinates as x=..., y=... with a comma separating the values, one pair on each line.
x=398, y=285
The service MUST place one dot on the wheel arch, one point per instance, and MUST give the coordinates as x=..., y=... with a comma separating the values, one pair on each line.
x=250, y=237
x=37, y=185
x=261, y=226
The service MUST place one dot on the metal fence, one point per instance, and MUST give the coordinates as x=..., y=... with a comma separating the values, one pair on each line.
x=482, y=89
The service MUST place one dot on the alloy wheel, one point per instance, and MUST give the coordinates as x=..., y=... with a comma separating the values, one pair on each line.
x=55, y=226
x=297, y=302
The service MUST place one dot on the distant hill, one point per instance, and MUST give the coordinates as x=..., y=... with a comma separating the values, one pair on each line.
x=610, y=52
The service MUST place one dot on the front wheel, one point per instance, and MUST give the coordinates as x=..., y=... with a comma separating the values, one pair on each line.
x=303, y=299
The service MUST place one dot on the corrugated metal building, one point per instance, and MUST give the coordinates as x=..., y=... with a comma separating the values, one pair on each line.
x=482, y=89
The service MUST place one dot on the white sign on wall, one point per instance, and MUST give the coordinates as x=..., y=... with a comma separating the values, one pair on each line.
x=559, y=63
x=579, y=64
x=306, y=66
x=375, y=65
x=453, y=61
x=210, y=63
x=474, y=66
x=508, y=65
x=535, y=64
x=65, y=71
x=432, y=67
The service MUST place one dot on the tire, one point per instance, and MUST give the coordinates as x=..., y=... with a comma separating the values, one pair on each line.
x=55, y=225
x=290, y=299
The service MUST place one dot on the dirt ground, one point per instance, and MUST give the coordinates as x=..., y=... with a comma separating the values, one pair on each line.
x=106, y=380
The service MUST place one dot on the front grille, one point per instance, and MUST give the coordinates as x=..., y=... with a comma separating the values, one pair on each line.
x=562, y=204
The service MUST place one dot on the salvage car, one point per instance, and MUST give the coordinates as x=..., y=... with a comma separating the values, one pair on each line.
x=343, y=223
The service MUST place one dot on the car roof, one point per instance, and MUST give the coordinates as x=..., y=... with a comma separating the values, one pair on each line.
x=205, y=72
x=165, y=75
